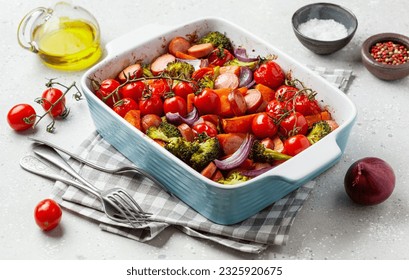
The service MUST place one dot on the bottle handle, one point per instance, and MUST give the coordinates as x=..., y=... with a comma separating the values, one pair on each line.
x=25, y=27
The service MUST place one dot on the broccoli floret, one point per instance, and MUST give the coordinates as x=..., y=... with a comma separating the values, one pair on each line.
x=252, y=64
x=208, y=151
x=318, y=131
x=146, y=71
x=163, y=132
x=181, y=148
x=206, y=82
x=217, y=39
x=234, y=178
x=259, y=153
x=179, y=69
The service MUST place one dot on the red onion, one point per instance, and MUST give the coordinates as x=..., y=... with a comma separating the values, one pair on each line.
x=369, y=181
x=190, y=118
x=241, y=54
x=256, y=172
x=246, y=76
x=238, y=157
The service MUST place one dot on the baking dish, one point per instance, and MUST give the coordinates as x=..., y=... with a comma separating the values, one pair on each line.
x=219, y=203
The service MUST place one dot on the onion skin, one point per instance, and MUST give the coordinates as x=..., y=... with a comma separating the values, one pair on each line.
x=369, y=181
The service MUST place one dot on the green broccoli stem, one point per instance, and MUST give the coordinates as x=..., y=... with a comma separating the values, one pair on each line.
x=276, y=155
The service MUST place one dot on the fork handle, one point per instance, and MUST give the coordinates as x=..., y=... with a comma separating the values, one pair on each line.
x=52, y=156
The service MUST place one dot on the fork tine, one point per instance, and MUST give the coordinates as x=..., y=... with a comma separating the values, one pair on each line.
x=133, y=202
x=114, y=203
x=128, y=208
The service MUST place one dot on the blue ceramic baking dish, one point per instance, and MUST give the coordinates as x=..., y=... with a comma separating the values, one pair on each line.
x=219, y=203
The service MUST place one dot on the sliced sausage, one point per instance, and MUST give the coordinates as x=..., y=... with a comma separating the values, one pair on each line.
x=161, y=62
x=226, y=80
x=253, y=100
x=237, y=102
x=132, y=71
x=278, y=144
x=178, y=44
x=230, y=142
x=187, y=132
x=268, y=143
x=200, y=50
x=150, y=120
x=230, y=69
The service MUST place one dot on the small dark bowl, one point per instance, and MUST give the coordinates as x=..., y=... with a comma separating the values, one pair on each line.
x=384, y=71
x=324, y=11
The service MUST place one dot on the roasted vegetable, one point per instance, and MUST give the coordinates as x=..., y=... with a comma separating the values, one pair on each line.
x=181, y=148
x=208, y=151
x=252, y=64
x=259, y=153
x=234, y=178
x=318, y=131
x=146, y=71
x=179, y=69
x=217, y=39
x=163, y=132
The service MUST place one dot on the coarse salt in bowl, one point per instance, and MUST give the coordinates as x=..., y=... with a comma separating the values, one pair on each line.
x=324, y=28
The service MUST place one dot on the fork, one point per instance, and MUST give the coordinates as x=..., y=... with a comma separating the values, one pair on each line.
x=116, y=202
x=118, y=170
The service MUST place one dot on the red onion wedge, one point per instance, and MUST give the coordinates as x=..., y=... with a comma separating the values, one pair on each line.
x=241, y=54
x=246, y=76
x=177, y=119
x=237, y=157
x=369, y=181
x=256, y=172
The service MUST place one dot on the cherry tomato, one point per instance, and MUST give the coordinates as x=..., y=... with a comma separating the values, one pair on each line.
x=296, y=144
x=159, y=87
x=219, y=57
x=175, y=104
x=306, y=106
x=151, y=104
x=269, y=74
x=124, y=105
x=277, y=109
x=285, y=92
x=47, y=214
x=263, y=126
x=207, y=102
x=21, y=117
x=294, y=123
x=201, y=72
x=205, y=127
x=183, y=89
x=105, y=89
x=133, y=90
x=53, y=97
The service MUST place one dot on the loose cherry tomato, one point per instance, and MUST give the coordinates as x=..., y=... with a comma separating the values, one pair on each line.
x=207, y=102
x=306, y=106
x=277, y=109
x=269, y=74
x=294, y=123
x=47, y=214
x=105, y=89
x=205, y=127
x=201, y=72
x=296, y=144
x=159, y=87
x=219, y=57
x=183, y=88
x=151, y=104
x=263, y=126
x=21, y=117
x=54, y=99
x=133, y=90
x=285, y=93
x=124, y=105
x=175, y=104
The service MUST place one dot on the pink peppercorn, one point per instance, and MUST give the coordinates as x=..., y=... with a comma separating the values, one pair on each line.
x=389, y=53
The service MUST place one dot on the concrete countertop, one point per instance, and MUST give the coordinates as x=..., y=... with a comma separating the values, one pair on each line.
x=329, y=225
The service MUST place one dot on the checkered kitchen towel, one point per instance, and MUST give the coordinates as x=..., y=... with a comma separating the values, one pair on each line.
x=271, y=226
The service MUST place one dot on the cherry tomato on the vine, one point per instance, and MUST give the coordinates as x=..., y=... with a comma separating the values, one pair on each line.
x=269, y=74
x=47, y=214
x=277, y=109
x=294, y=123
x=159, y=87
x=53, y=99
x=219, y=57
x=296, y=144
x=125, y=105
x=183, y=89
x=21, y=117
x=205, y=127
x=306, y=106
x=133, y=90
x=105, y=89
x=175, y=104
x=151, y=104
x=263, y=126
x=285, y=93
x=207, y=102
x=201, y=72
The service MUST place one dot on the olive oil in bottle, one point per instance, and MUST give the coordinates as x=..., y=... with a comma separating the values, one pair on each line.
x=68, y=44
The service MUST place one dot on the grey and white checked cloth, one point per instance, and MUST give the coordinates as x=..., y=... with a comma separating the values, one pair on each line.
x=340, y=78
x=271, y=226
